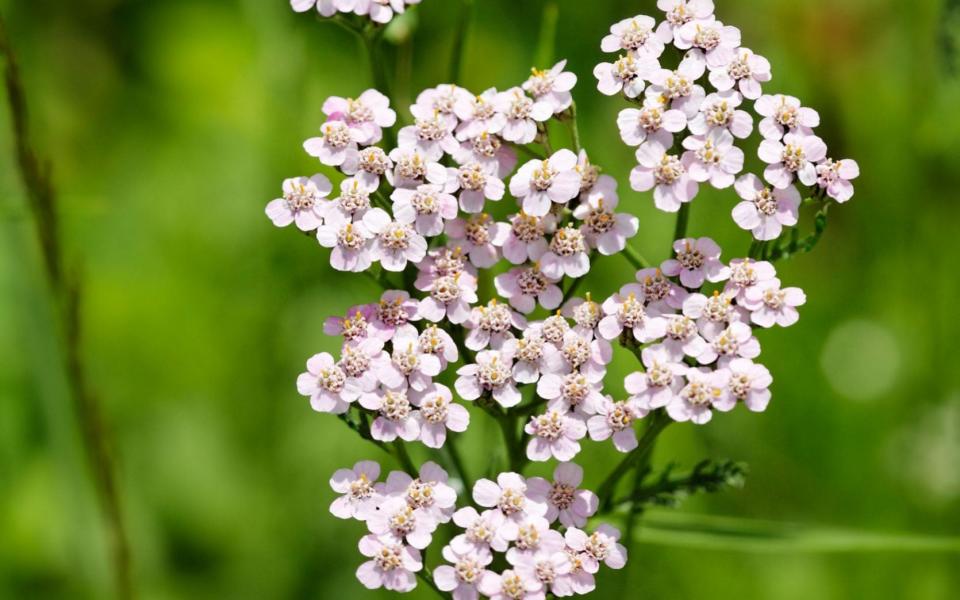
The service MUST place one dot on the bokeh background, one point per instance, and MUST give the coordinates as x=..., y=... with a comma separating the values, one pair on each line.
x=171, y=124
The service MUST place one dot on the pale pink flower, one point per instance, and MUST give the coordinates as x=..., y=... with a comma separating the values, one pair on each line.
x=704, y=391
x=679, y=13
x=479, y=237
x=411, y=364
x=442, y=100
x=591, y=181
x=395, y=243
x=749, y=383
x=410, y=169
x=834, y=177
x=430, y=134
x=438, y=342
x=697, y=260
x=660, y=293
x=368, y=165
x=426, y=207
x=765, y=211
x=713, y=313
x=510, y=585
x=747, y=71
x=711, y=41
x=533, y=534
x=745, y=273
x=443, y=261
x=534, y=356
x=324, y=383
x=603, y=228
x=478, y=114
x=736, y=340
x=466, y=573
x=511, y=497
x=437, y=414
x=794, y=157
x=527, y=237
x=380, y=11
x=302, y=203
x=602, y=546
x=713, y=157
x=395, y=418
x=565, y=502
x=490, y=152
x=586, y=314
x=679, y=86
x=396, y=522
x=360, y=497
x=634, y=35
x=625, y=310
x=615, y=420
x=540, y=183
x=354, y=326
x=628, y=75
x=589, y=356
x=683, y=338
x=577, y=580
x=548, y=564
x=336, y=145
x=554, y=328
x=567, y=255
x=573, y=391
x=361, y=362
x=659, y=383
x=429, y=493
x=491, y=373
x=554, y=434
x=351, y=242
x=523, y=114
x=354, y=199
x=490, y=325
x=783, y=114
x=481, y=531
x=395, y=309
x=655, y=121
x=665, y=174
x=476, y=184
x=526, y=287
x=326, y=8
x=719, y=111
x=770, y=305
x=552, y=86
x=367, y=115
x=392, y=566
x=450, y=298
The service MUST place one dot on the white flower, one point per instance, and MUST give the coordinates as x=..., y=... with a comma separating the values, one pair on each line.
x=552, y=86
x=302, y=203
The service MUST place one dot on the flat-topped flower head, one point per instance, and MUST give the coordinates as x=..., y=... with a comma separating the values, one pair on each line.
x=479, y=237
x=655, y=121
x=710, y=41
x=539, y=184
x=628, y=74
x=367, y=115
x=770, y=305
x=666, y=174
x=336, y=145
x=657, y=385
x=359, y=496
x=324, y=383
x=704, y=391
x=492, y=373
x=834, y=176
x=476, y=184
x=527, y=287
x=746, y=72
x=554, y=434
x=438, y=413
x=697, y=260
x=615, y=420
x=765, y=211
x=552, y=86
x=784, y=114
x=749, y=383
x=719, y=111
x=713, y=157
x=794, y=157
x=635, y=35
x=523, y=114
x=391, y=565
x=302, y=203
x=427, y=207
x=350, y=241
x=396, y=417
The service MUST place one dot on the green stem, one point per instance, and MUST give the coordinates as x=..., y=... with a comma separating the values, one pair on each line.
x=401, y=452
x=659, y=421
x=571, y=119
x=460, y=42
x=548, y=33
x=426, y=576
x=457, y=461
x=635, y=258
x=683, y=218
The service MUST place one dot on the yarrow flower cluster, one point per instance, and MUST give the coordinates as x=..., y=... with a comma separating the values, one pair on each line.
x=480, y=254
x=378, y=11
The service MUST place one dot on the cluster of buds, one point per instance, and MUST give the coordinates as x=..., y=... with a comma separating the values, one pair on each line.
x=450, y=211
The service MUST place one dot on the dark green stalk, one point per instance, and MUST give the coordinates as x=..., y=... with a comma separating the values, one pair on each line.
x=659, y=421
x=683, y=219
x=460, y=42
x=457, y=461
x=635, y=258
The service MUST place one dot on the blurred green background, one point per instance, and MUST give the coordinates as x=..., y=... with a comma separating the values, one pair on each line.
x=170, y=124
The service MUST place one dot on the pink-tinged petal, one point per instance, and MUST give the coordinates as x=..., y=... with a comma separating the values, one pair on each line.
x=370, y=576
x=770, y=151
x=745, y=215
x=486, y=493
